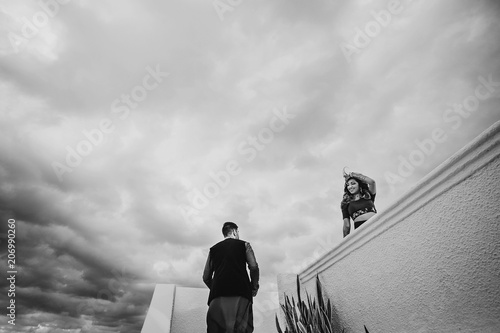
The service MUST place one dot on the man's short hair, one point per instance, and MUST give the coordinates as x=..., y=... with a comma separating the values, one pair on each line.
x=228, y=227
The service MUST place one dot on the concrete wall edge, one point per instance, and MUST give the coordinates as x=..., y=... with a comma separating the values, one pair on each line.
x=161, y=310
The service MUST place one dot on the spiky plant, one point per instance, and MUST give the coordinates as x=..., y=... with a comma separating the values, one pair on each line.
x=308, y=317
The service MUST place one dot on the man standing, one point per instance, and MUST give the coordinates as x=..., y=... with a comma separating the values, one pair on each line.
x=231, y=291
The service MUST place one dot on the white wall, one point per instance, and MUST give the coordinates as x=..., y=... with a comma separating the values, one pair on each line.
x=431, y=261
x=190, y=310
x=159, y=317
x=175, y=309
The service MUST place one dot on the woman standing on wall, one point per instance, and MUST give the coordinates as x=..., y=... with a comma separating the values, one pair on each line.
x=358, y=201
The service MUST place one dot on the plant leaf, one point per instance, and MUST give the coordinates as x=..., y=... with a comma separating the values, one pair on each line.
x=278, y=325
x=298, y=289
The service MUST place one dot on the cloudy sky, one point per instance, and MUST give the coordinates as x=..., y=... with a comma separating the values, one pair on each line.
x=130, y=131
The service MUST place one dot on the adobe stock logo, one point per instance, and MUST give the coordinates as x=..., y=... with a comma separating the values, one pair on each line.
x=373, y=28
x=453, y=116
x=249, y=150
x=223, y=6
x=31, y=28
x=120, y=107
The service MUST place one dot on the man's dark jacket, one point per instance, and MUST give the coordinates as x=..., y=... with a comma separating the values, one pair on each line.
x=228, y=261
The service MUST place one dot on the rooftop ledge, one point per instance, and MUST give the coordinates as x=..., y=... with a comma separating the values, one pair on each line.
x=462, y=165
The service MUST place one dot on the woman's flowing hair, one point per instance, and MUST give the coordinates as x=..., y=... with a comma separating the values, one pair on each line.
x=363, y=190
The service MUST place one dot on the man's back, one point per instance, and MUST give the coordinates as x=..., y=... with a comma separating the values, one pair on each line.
x=229, y=265
x=231, y=290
